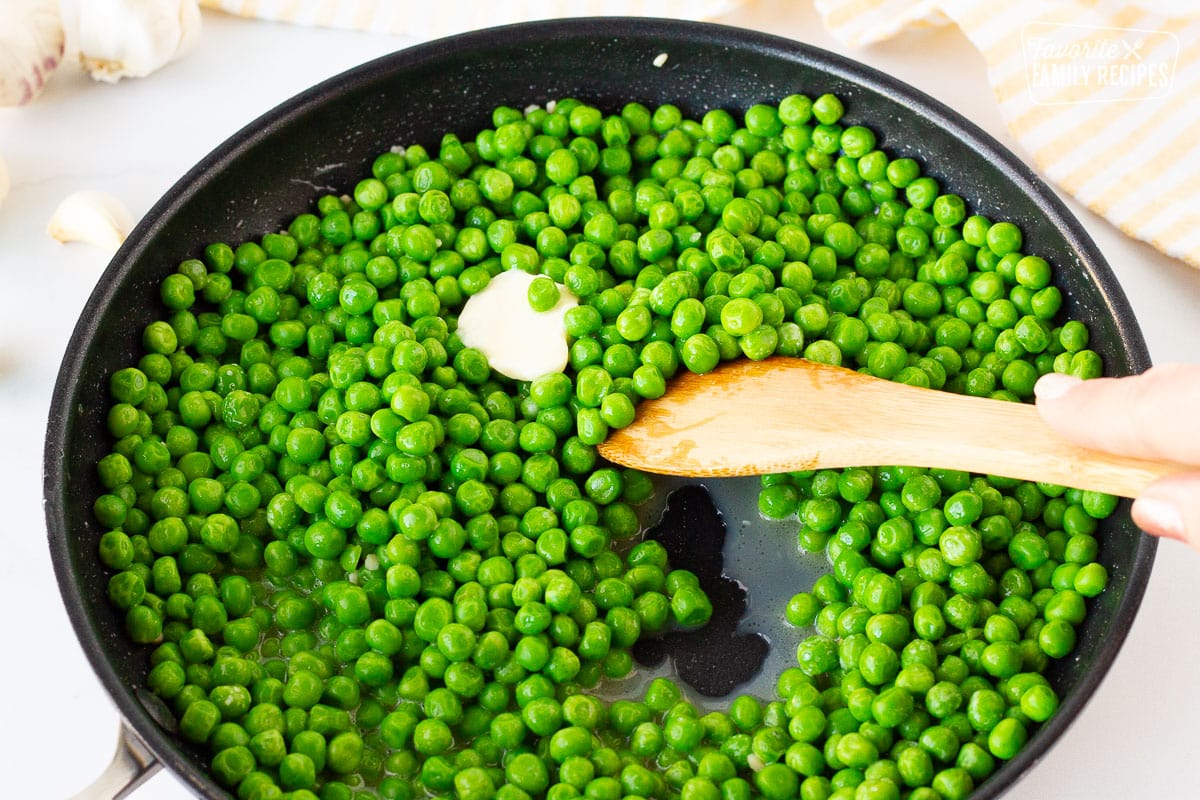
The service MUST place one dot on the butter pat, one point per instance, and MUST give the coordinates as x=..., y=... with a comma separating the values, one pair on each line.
x=518, y=342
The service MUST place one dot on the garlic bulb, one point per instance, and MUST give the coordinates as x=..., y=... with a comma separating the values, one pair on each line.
x=93, y=217
x=132, y=38
x=31, y=47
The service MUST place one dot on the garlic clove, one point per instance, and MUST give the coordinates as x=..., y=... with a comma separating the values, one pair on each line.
x=133, y=38
x=93, y=217
x=189, y=26
x=31, y=48
x=3, y=181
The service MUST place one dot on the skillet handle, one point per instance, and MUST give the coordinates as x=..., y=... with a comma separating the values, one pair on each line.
x=132, y=764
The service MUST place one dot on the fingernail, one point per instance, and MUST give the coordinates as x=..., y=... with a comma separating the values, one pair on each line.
x=1158, y=517
x=1054, y=385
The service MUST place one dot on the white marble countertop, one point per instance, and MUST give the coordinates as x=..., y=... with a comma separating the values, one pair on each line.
x=1137, y=738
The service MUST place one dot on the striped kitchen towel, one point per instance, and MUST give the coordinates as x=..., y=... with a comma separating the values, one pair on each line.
x=1104, y=96
x=444, y=17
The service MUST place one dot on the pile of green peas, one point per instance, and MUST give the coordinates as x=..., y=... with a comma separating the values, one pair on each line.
x=366, y=565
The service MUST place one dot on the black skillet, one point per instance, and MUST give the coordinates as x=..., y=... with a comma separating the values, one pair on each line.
x=328, y=136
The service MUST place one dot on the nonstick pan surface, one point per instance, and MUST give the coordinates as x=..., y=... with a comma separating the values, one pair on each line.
x=325, y=139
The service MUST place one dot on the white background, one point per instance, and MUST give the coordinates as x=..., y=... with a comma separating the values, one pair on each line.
x=1139, y=737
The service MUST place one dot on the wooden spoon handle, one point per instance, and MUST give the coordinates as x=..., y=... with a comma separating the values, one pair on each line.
x=783, y=415
x=1011, y=439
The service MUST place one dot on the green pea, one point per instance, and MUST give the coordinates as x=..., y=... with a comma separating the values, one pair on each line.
x=1007, y=738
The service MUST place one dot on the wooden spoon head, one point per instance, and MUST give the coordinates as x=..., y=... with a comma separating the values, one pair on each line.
x=744, y=418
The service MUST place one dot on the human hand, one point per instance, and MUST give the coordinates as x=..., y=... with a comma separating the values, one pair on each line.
x=1154, y=415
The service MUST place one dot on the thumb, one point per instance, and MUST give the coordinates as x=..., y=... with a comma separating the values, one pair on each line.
x=1171, y=507
x=1152, y=415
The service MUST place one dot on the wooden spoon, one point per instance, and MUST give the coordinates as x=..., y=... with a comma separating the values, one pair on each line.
x=787, y=414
